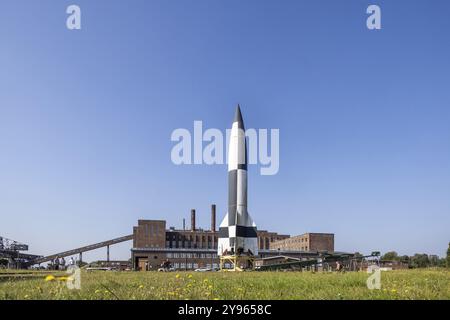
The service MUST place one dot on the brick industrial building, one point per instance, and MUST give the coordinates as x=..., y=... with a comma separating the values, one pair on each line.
x=194, y=248
x=306, y=242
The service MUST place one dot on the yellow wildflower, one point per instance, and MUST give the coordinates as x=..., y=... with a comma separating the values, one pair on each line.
x=49, y=278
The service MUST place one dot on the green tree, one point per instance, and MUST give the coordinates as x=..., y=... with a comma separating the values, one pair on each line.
x=390, y=256
x=434, y=260
x=404, y=259
x=420, y=261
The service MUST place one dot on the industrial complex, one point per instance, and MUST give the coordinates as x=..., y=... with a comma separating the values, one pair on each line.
x=189, y=248
x=192, y=248
x=236, y=245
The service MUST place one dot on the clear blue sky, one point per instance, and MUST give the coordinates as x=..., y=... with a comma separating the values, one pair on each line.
x=364, y=118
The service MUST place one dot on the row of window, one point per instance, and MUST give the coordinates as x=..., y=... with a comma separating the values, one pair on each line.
x=176, y=255
x=175, y=240
x=151, y=229
x=298, y=240
x=180, y=237
x=290, y=248
x=263, y=244
x=182, y=265
x=188, y=244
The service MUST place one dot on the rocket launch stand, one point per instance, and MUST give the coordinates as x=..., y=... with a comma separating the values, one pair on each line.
x=238, y=262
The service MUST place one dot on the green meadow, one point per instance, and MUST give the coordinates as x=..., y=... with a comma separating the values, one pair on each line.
x=100, y=285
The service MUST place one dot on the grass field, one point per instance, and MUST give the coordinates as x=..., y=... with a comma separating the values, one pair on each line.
x=407, y=284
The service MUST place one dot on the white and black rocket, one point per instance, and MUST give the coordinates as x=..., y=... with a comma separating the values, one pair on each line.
x=237, y=232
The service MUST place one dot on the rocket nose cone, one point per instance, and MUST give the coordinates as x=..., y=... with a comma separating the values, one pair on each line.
x=238, y=116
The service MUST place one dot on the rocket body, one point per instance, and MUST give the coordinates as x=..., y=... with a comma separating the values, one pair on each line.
x=237, y=232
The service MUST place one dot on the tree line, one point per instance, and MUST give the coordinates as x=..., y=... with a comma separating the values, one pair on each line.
x=419, y=260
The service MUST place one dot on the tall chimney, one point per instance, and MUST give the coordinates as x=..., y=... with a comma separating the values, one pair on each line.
x=193, y=220
x=213, y=217
x=184, y=224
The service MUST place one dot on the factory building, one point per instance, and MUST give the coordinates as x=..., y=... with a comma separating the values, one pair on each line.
x=306, y=242
x=192, y=248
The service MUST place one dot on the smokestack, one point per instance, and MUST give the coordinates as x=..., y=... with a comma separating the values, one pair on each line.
x=184, y=224
x=193, y=220
x=213, y=217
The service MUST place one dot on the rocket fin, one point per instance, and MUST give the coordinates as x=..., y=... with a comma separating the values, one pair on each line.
x=224, y=222
x=250, y=220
